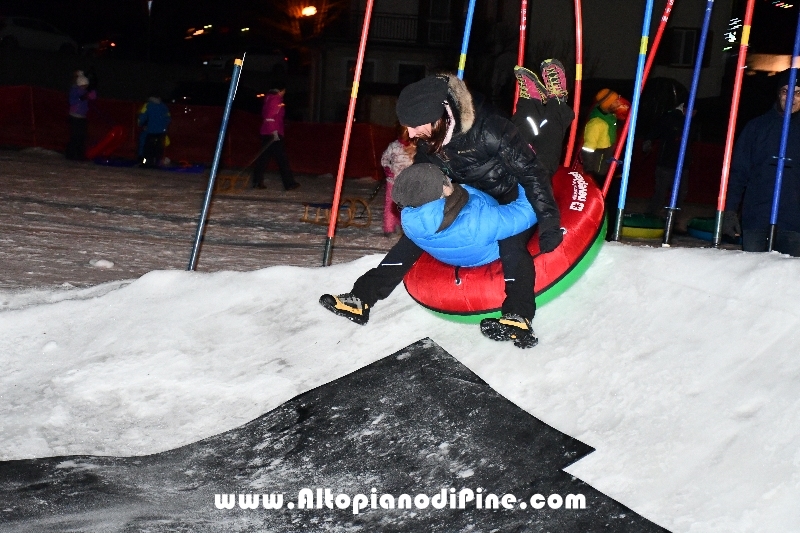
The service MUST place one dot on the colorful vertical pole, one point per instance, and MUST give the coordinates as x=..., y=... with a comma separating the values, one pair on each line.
x=651, y=56
x=737, y=90
x=348, y=127
x=523, y=26
x=462, y=59
x=687, y=124
x=226, y=114
x=576, y=93
x=787, y=115
x=637, y=97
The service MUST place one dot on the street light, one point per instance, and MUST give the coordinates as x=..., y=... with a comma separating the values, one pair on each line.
x=309, y=11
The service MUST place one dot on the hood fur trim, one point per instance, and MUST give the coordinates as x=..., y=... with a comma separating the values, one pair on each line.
x=460, y=102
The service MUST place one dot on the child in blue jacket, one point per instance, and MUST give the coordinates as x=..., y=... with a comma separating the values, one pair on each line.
x=456, y=224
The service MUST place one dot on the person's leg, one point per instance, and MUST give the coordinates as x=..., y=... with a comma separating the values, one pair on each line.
x=71, y=150
x=376, y=284
x=391, y=218
x=379, y=282
x=519, y=275
x=754, y=240
x=543, y=127
x=664, y=178
x=519, y=305
x=287, y=177
x=260, y=164
x=150, y=156
x=788, y=242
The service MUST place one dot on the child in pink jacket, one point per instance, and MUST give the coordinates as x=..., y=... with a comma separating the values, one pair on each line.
x=397, y=156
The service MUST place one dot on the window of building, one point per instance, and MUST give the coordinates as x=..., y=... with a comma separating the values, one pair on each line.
x=678, y=48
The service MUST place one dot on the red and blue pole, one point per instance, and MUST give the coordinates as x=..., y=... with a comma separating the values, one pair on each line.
x=737, y=91
x=576, y=93
x=337, y=192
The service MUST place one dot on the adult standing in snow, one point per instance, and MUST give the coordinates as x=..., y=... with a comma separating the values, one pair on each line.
x=668, y=130
x=272, y=141
x=752, y=181
x=154, y=118
x=79, y=96
x=483, y=150
x=398, y=156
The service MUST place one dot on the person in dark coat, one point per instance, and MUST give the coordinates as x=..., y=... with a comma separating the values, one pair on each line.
x=485, y=151
x=154, y=118
x=80, y=94
x=752, y=181
x=668, y=131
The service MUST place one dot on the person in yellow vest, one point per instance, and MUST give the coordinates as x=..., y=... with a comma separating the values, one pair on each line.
x=600, y=133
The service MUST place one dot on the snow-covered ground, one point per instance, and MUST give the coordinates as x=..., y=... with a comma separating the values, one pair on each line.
x=678, y=365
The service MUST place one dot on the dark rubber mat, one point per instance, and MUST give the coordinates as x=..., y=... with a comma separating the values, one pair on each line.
x=415, y=423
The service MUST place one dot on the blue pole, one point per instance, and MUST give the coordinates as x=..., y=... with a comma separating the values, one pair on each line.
x=687, y=124
x=237, y=70
x=637, y=96
x=462, y=59
x=787, y=115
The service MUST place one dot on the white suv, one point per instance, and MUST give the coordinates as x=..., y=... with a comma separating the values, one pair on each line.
x=33, y=33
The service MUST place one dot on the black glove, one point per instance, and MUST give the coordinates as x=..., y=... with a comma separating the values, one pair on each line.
x=730, y=224
x=550, y=235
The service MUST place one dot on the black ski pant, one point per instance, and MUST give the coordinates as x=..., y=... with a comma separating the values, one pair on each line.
x=543, y=126
x=378, y=283
x=786, y=242
x=76, y=147
x=153, y=149
x=272, y=148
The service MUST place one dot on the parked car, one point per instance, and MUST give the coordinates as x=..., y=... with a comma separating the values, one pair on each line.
x=33, y=33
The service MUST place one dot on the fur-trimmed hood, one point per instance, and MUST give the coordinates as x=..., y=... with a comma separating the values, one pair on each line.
x=461, y=103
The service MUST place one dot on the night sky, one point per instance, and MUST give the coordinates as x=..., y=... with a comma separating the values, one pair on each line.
x=127, y=22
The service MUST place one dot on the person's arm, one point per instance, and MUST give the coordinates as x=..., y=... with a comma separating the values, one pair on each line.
x=504, y=221
x=519, y=159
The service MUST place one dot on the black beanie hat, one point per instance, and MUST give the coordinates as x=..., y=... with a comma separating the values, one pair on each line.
x=418, y=185
x=422, y=102
x=782, y=78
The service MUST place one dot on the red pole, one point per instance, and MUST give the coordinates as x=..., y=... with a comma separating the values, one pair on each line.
x=523, y=25
x=737, y=89
x=337, y=192
x=576, y=94
x=650, y=58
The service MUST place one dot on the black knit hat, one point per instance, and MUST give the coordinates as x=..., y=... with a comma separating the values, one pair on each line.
x=422, y=102
x=418, y=185
x=782, y=78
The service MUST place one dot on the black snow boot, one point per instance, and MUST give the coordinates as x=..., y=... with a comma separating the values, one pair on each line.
x=347, y=305
x=510, y=327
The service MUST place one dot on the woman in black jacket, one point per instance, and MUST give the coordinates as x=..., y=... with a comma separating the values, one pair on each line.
x=475, y=147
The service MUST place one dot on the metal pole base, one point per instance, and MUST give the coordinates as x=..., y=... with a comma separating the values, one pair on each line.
x=718, y=229
x=618, y=225
x=327, y=253
x=668, y=225
x=771, y=238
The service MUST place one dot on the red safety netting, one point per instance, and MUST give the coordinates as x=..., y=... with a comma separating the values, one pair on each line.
x=32, y=116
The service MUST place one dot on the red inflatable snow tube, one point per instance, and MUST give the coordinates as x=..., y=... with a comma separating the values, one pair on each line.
x=480, y=290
